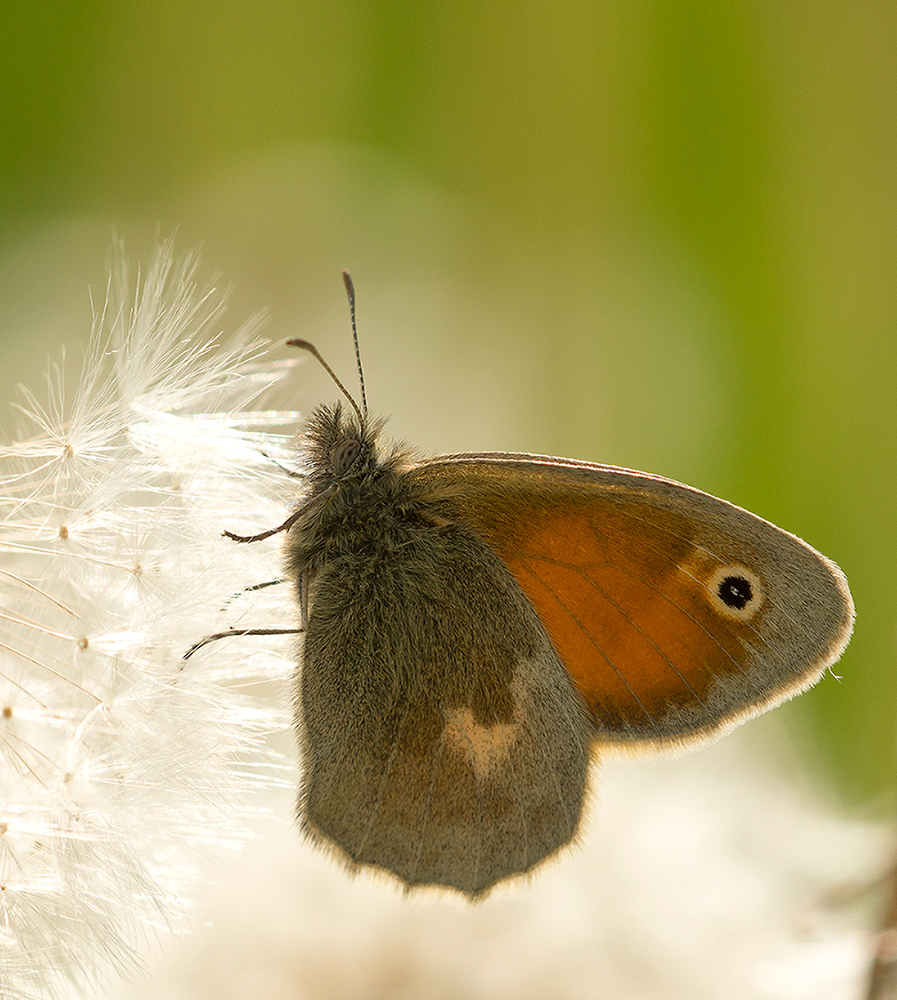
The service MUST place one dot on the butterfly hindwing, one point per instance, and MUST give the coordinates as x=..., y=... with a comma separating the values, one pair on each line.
x=463, y=747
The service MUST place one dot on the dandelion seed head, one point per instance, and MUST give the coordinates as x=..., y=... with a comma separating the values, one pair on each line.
x=118, y=761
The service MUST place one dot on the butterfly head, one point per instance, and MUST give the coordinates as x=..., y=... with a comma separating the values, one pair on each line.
x=352, y=485
x=339, y=446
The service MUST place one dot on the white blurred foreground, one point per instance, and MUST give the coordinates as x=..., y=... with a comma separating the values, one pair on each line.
x=124, y=769
x=119, y=762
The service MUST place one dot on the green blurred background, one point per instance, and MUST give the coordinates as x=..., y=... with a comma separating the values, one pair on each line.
x=655, y=234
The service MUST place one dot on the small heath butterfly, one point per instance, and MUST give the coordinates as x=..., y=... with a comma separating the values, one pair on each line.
x=479, y=627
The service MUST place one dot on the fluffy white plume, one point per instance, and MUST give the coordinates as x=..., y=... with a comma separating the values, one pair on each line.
x=119, y=760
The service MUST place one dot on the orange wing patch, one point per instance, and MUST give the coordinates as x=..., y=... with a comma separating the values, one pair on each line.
x=636, y=636
x=625, y=600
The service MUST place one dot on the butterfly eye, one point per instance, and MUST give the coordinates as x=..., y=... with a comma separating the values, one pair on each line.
x=345, y=454
x=736, y=592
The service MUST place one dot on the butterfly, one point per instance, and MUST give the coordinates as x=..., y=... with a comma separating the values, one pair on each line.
x=477, y=629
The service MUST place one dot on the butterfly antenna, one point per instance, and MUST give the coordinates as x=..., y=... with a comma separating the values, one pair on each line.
x=350, y=294
x=306, y=345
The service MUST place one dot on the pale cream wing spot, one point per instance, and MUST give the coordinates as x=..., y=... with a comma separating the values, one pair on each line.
x=486, y=747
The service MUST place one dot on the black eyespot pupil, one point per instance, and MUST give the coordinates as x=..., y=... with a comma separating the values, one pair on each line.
x=735, y=592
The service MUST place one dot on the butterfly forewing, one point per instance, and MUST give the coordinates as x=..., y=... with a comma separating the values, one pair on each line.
x=676, y=614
